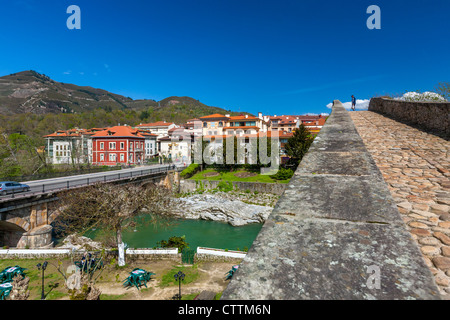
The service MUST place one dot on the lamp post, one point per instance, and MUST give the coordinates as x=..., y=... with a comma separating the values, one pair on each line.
x=43, y=267
x=179, y=276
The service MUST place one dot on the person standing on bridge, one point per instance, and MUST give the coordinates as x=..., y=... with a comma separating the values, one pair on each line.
x=353, y=102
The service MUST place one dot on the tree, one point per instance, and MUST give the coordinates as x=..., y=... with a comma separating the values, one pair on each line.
x=111, y=207
x=443, y=88
x=297, y=146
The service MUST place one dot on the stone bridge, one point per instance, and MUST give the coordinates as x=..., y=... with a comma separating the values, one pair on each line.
x=25, y=219
x=366, y=215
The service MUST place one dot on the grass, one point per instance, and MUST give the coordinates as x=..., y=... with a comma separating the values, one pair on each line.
x=54, y=288
x=231, y=176
x=53, y=280
x=191, y=274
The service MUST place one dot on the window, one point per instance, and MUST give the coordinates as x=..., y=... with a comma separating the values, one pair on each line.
x=220, y=124
x=205, y=124
x=102, y=157
x=112, y=146
x=102, y=146
x=122, y=156
x=122, y=146
x=112, y=157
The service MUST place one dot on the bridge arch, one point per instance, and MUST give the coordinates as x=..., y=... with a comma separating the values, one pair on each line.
x=11, y=231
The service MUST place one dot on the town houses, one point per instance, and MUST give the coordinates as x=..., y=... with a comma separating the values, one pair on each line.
x=167, y=141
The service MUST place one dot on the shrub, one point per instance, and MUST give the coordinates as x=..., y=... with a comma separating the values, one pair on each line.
x=190, y=171
x=225, y=186
x=283, y=174
x=174, y=242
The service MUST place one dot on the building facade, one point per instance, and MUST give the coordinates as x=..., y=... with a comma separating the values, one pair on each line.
x=72, y=146
x=160, y=128
x=118, y=145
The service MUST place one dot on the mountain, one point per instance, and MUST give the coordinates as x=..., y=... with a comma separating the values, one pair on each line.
x=34, y=93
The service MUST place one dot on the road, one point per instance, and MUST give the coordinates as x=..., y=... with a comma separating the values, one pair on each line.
x=54, y=184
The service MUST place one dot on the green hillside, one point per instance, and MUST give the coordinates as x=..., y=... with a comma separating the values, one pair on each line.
x=35, y=105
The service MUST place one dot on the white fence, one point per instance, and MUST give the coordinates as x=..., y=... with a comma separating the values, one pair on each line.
x=173, y=251
x=56, y=252
x=220, y=252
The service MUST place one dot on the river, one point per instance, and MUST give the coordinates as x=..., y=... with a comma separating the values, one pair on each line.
x=198, y=233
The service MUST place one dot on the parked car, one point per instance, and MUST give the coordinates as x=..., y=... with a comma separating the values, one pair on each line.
x=12, y=187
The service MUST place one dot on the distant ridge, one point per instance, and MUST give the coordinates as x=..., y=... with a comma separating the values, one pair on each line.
x=35, y=93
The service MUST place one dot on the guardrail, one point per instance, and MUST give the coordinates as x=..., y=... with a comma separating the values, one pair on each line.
x=55, y=186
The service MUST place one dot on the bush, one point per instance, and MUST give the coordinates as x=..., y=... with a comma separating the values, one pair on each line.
x=174, y=242
x=283, y=174
x=225, y=186
x=190, y=171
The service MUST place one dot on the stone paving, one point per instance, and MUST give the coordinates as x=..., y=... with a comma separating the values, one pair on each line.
x=416, y=168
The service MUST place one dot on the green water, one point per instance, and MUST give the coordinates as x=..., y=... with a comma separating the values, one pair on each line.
x=199, y=233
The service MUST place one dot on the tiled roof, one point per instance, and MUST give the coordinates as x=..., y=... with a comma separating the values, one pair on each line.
x=214, y=116
x=119, y=131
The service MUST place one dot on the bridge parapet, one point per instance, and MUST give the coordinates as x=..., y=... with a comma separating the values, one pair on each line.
x=335, y=233
x=432, y=116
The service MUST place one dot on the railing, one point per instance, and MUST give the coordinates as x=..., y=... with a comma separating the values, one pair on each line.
x=50, y=175
x=54, y=186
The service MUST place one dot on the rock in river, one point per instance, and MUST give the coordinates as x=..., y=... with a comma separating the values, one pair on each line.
x=234, y=212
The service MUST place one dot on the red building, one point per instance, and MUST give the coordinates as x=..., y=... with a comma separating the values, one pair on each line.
x=118, y=145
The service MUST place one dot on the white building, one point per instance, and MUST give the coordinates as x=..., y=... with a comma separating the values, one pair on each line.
x=177, y=146
x=160, y=128
x=72, y=146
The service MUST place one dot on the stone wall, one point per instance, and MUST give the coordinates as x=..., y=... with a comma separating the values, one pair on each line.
x=335, y=233
x=273, y=188
x=432, y=116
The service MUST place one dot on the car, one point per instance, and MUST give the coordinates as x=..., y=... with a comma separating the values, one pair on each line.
x=12, y=187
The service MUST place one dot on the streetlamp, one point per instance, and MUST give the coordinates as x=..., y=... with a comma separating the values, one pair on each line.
x=43, y=266
x=179, y=276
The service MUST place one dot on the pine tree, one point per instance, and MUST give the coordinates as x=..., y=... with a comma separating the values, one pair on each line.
x=298, y=145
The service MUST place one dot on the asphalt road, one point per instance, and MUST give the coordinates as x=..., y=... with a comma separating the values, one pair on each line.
x=53, y=184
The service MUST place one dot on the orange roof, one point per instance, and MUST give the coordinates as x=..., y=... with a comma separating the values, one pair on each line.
x=156, y=124
x=67, y=133
x=119, y=131
x=213, y=116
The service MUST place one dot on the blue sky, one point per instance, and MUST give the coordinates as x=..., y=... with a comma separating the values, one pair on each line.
x=277, y=57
